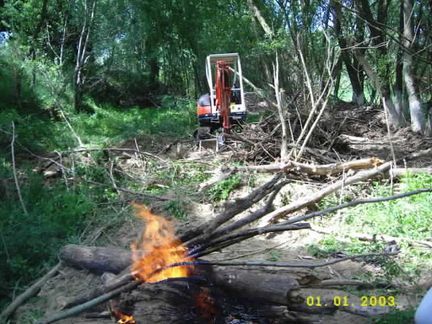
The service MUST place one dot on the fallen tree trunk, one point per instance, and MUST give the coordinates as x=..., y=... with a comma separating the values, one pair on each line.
x=260, y=286
x=160, y=302
x=313, y=169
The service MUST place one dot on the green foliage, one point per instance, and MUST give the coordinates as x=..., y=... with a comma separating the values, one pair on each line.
x=222, y=189
x=274, y=256
x=331, y=245
x=396, y=317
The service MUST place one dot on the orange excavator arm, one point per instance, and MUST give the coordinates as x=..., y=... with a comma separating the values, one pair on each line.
x=223, y=93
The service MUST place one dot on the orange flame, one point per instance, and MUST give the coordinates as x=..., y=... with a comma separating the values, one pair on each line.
x=159, y=247
x=124, y=318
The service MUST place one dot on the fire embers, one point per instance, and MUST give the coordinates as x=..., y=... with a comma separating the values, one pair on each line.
x=123, y=318
x=158, y=249
x=206, y=305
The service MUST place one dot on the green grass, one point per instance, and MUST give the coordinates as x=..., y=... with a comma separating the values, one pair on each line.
x=56, y=214
x=396, y=317
x=408, y=219
x=109, y=125
x=106, y=126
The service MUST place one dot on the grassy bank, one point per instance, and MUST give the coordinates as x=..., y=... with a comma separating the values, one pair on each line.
x=61, y=211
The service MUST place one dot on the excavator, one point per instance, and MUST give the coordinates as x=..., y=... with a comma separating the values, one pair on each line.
x=224, y=106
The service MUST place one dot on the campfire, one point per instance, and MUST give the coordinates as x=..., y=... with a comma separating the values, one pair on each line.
x=158, y=249
x=164, y=278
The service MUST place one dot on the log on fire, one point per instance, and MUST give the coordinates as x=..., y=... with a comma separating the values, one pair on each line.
x=161, y=301
x=272, y=287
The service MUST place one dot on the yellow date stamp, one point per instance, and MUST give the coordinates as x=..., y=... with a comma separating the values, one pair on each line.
x=344, y=301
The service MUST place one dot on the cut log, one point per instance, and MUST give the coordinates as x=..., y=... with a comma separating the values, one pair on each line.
x=270, y=286
x=175, y=300
x=96, y=259
x=260, y=286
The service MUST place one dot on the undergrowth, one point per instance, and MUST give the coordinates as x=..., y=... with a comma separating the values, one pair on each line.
x=221, y=190
x=55, y=214
x=60, y=212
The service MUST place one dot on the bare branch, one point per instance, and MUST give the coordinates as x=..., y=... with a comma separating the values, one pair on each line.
x=15, y=171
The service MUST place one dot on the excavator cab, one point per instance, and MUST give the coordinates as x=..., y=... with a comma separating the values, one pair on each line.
x=224, y=105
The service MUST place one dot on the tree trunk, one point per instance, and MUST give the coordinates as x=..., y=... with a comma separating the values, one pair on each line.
x=383, y=89
x=281, y=112
x=96, y=259
x=81, y=58
x=418, y=121
x=398, y=86
x=379, y=78
x=353, y=73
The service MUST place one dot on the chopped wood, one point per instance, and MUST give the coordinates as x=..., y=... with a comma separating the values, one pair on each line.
x=292, y=264
x=261, y=286
x=236, y=237
x=203, y=239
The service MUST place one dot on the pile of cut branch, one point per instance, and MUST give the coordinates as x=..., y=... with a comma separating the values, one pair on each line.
x=281, y=294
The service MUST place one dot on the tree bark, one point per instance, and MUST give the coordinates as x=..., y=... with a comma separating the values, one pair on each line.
x=418, y=121
x=281, y=112
x=383, y=89
x=266, y=286
x=353, y=73
x=81, y=58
